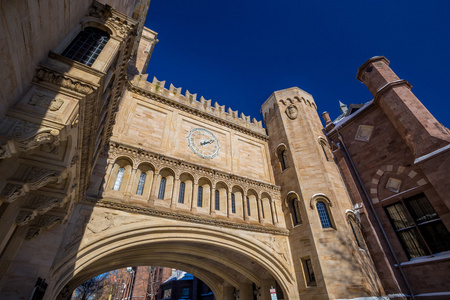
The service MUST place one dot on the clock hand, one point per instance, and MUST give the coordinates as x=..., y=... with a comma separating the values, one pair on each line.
x=203, y=142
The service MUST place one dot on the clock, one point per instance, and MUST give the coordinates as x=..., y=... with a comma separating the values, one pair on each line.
x=203, y=143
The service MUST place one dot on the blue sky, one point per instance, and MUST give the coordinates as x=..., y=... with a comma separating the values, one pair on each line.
x=238, y=52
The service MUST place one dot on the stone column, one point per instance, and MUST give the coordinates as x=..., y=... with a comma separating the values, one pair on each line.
x=154, y=191
x=228, y=293
x=229, y=204
x=175, y=192
x=108, y=176
x=131, y=182
x=194, y=198
x=265, y=288
x=274, y=212
x=259, y=208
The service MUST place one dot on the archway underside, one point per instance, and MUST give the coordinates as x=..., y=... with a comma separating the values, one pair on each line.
x=221, y=268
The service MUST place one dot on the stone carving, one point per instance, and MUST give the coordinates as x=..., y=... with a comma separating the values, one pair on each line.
x=39, y=205
x=278, y=245
x=43, y=74
x=26, y=136
x=24, y=217
x=102, y=221
x=11, y=192
x=106, y=14
x=41, y=222
x=292, y=112
x=40, y=100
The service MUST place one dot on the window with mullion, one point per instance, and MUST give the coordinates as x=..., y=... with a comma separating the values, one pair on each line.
x=416, y=214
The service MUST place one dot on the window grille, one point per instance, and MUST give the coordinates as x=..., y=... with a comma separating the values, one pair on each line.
x=119, y=178
x=323, y=215
x=233, y=204
x=200, y=196
x=140, y=187
x=181, y=194
x=418, y=227
x=217, y=200
x=86, y=47
x=162, y=188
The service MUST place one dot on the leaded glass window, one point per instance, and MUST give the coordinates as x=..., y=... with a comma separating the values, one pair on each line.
x=323, y=215
x=181, y=194
x=140, y=187
x=418, y=227
x=217, y=200
x=233, y=203
x=200, y=196
x=162, y=188
x=119, y=178
x=86, y=47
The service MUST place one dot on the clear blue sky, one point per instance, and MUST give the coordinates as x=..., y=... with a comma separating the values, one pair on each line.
x=238, y=52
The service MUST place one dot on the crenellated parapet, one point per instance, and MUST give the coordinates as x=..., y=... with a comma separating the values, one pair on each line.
x=219, y=113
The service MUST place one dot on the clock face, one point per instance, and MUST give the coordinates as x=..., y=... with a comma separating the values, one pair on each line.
x=203, y=143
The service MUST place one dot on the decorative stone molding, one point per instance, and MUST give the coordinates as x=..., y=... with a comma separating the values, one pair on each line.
x=182, y=217
x=39, y=100
x=38, y=205
x=159, y=161
x=42, y=222
x=44, y=74
x=35, y=179
x=26, y=136
x=121, y=23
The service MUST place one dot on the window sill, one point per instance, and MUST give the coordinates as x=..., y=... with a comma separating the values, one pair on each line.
x=427, y=259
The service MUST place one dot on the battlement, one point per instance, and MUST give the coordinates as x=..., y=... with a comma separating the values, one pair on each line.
x=203, y=105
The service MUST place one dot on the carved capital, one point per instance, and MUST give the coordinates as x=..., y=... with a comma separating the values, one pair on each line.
x=12, y=191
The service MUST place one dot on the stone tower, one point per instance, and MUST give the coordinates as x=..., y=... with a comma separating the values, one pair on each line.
x=327, y=250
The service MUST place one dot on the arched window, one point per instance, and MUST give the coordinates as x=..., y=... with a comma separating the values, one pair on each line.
x=119, y=178
x=86, y=47
x=248, y=206
x=162, y=188
x=233, y=203
x=325, y=149
x=284, y=162
x=200, y=196
x=217, y=200
x=295, y=210
x=323, y=215
x=181, y=194
x=140, y=187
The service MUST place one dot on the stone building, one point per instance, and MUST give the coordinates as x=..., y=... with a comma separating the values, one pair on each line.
x=101, y=169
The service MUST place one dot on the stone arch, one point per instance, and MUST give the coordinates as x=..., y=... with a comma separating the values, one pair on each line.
x=266, y=208
x=164, y=186
x=294, y=204
x=120, y=184
x=399, y=171
x=326, y=150
x=322, y=198
x=184, y=198
x=282, y=154
x=143, y=179
x=238, y=193
x=206, y=252
x=203, y=194
x=222, y=190
x=251, y=205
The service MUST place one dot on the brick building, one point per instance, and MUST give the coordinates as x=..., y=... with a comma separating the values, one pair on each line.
x=394, y=157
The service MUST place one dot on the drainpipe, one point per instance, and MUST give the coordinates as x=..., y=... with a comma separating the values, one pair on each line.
x=374, y=213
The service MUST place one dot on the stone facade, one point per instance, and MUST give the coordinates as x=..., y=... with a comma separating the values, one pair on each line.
x=102, y=169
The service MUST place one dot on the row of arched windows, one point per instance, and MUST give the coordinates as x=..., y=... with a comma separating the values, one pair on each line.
x=187, y=193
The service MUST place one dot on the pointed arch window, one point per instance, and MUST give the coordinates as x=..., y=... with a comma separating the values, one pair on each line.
x=217, y=200
x=233, y=203
x=86, y=47
x=323, y=214
x=140, y=187
x=162, y=188
x=200, y=196
x=181, y=194
x=119, y=178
